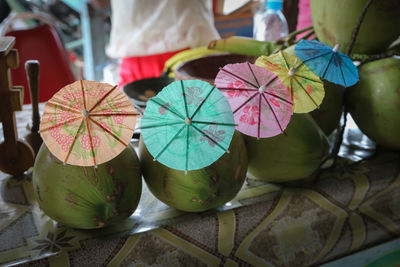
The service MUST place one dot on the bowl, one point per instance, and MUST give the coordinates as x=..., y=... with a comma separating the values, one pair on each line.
x=206, y=68
x=140, y=91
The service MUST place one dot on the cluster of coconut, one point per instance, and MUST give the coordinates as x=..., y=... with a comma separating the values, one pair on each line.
x=96, y=194
x=374, y=102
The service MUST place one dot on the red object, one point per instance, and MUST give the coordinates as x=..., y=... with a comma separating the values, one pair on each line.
x=136, y=68
x=42, y=43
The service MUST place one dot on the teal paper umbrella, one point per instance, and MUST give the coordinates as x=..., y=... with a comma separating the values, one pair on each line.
x=188, y=125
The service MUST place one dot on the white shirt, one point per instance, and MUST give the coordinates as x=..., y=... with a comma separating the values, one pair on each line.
x=146, y=27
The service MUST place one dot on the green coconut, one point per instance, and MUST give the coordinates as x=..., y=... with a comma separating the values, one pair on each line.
x=289, y=157
x=335, y=20
x=374, y=102
x=198, y=190
x=327, y=115
x=87, y=197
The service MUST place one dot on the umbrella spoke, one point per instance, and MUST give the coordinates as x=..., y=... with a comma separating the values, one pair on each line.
x=201, y=104
x=306, y=78
x=83, y=95
x=278, y=97
x=109, y=132
x=59, y=124
x=112, y=114
x=327, y=66
x=209, y=138
x=270, y=81
x=169, y=142
x=91, y=142
x=73, y=142
x=161, y=125
x=259, y=116
x=254, y=76
x=291, y=89
x=238, y=77
x=184, y=99
x=306, y=92
x=215, y=123
x=244, y=103
x=71, y=109
x=341, y=72
x=187, y=147
x=238, y=89
x=314, y=57
x=273, y=112
x=101, y=99
x=285, y=61
x=176, y=113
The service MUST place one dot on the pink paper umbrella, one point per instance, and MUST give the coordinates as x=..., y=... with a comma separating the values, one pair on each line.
x=261, y=104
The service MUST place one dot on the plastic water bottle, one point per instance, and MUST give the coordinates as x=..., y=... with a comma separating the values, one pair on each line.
x=273, y=25
x=257, y=18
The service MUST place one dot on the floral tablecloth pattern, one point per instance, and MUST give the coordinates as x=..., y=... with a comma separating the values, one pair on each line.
x=343, y=210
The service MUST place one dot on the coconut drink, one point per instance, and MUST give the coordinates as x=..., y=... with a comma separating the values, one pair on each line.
x=288, y=157
x=201, y=189
x=86, y=197
x=334, y=21
x=374, y=103
x=87, y=174
x=191, y=159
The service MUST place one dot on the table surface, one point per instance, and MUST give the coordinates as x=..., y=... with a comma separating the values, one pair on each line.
x=346, y=209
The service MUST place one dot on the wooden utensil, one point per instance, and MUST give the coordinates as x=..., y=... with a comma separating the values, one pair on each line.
x=32, y=72
x=16, y=156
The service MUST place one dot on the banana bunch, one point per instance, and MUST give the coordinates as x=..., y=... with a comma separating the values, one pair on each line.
x=184, y=56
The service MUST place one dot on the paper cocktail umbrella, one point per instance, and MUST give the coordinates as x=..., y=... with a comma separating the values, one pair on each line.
x=261, y=104
x=327, y=62
x=87, y=123
x=306, y=89
x=188, y=125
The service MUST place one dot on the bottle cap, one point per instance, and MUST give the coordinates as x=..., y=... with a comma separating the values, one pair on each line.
x=274, y=4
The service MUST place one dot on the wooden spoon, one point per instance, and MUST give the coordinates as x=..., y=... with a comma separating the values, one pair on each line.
x=32, y=68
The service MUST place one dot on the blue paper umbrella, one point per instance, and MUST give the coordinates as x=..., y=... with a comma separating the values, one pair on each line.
x=327, y=62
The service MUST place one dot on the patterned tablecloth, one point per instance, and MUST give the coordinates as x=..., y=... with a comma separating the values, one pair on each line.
x=346, y=209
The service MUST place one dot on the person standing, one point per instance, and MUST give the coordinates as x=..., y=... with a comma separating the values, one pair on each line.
x=145, y=34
